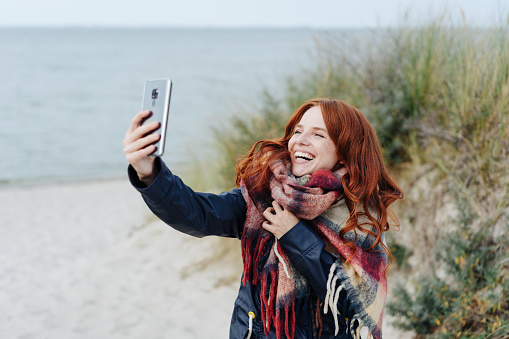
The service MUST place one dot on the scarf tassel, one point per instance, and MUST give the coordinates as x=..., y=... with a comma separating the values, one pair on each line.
x=250, y=249
x=262, y=254
x=364, y=329
x=284, y=317
x=355, y=326
x=268, y=299
x=285, y=321
x=317, y=320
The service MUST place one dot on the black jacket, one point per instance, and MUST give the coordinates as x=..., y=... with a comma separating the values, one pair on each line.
x=204, y=214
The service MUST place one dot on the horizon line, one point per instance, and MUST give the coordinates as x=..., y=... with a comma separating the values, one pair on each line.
x=228, y=27
x=189, y=27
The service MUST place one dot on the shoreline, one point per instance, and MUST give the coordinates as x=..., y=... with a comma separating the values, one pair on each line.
x=61, y=180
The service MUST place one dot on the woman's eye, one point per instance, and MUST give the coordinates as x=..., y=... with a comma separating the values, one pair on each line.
x=296, y=132
x=319, y=135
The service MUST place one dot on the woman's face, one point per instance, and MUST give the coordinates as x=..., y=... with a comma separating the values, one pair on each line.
x=311, y=147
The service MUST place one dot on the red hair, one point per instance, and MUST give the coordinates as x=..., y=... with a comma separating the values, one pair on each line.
x=368, y=186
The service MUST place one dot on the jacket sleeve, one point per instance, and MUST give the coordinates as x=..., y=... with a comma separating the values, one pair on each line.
x=307, y=253
x=193, y=213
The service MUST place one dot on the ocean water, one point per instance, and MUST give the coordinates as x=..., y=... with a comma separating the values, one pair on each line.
x=67, y=95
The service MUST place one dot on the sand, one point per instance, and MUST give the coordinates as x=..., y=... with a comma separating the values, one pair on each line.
x=87, y=260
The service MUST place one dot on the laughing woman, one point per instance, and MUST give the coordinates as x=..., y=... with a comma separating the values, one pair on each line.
x=311, y=209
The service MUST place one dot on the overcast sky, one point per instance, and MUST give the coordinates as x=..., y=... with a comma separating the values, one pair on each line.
x=242, y=13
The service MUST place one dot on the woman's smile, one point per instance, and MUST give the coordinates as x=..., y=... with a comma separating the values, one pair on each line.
x=304, y=156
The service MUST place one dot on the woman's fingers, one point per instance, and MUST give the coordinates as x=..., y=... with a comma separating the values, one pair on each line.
x=135, y=145
x=141, y=132
x=136, y=121
x=273, y=213
x=268, y=226
x=139, y=144
x=278, y=221
x=277, y=208
x=139, y=138
x=136, y=130
x=134, y=156
x=269, y=214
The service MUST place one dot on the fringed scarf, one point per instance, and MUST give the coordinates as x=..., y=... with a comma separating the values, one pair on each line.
x=284, y=291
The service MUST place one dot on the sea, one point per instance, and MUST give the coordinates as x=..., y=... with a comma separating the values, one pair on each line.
x=68, y=94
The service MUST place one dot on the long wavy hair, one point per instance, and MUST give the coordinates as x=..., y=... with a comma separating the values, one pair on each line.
x=368, y=187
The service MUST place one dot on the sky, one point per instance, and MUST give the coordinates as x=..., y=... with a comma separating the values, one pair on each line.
x=245, y=13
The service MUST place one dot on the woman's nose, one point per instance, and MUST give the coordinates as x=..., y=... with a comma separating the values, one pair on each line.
x=303, y=139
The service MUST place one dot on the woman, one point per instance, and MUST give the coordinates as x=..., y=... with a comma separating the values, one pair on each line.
x=311, y=210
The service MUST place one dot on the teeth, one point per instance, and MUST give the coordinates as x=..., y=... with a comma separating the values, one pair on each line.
x=305, y=156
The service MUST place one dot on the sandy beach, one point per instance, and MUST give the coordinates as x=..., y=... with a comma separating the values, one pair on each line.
x=87, y=260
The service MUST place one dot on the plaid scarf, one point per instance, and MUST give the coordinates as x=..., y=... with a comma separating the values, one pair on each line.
x=360, y=281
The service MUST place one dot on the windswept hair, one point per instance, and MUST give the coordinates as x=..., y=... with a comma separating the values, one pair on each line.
x=368, y=187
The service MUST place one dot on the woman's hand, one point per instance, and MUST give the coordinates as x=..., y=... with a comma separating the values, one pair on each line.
x=279, y=221
x=138, y=144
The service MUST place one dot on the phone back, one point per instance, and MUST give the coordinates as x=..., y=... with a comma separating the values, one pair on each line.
x=156, y=98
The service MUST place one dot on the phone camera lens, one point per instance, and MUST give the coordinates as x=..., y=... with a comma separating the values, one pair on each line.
x=155, y=93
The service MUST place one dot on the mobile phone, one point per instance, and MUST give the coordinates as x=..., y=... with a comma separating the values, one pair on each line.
x=156, y=98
